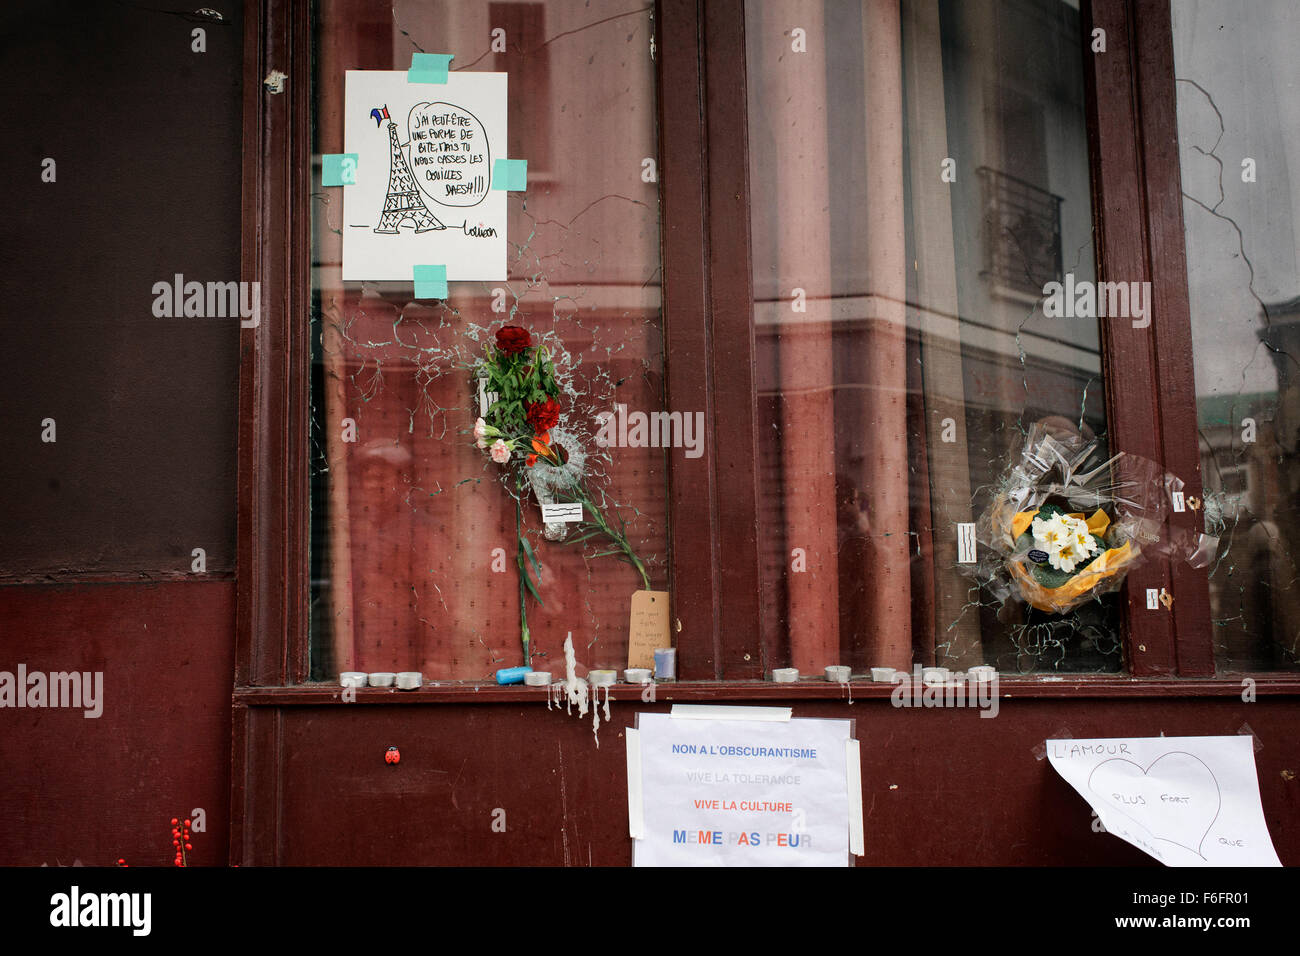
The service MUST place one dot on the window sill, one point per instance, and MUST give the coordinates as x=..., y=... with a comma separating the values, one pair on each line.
x=1072, y=687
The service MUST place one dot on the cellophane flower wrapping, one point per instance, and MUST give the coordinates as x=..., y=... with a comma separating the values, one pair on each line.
x=1066, y=525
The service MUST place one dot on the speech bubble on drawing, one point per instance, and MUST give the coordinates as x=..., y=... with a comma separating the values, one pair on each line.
x=450, y=155
x=1176, y=798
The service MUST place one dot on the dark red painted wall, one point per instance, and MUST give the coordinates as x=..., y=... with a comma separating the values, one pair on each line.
x=146, y=138
x=145, y=134
x=940, y=787
x=96, y=789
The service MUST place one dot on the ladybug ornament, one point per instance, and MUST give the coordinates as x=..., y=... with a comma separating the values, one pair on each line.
x=392, y=756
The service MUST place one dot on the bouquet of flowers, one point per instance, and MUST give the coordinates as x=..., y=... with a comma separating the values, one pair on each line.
x=521, y=377
x=521, y=431
x=1062, y=529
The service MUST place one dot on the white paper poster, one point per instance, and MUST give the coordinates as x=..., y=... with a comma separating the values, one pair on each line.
x=423, y=193
x=741, y=792
x=1187, y=801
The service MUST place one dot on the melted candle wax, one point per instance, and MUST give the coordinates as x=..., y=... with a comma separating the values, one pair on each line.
x=577, y=691
x=575, y=687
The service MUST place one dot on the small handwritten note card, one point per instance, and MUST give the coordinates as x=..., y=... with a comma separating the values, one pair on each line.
x=564, y=511
x=647, y=628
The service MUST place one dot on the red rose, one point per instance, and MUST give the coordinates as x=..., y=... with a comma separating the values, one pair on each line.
x=513, y=339
x=543, y=416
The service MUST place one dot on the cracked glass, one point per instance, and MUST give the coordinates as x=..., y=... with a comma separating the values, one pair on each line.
x=1238, y=85
x=417, y=535
x=919, y=175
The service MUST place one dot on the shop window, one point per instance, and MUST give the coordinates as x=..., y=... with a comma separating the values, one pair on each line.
x=1239, y=136
x=901, y=381
x=416, y=534
x=527, y=58
x=848, y=285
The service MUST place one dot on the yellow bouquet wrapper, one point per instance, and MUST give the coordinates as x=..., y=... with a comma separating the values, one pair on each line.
x=1103, y=569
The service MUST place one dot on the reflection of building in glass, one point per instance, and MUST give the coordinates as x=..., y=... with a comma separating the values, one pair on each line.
x=413, y=536
x=1022, y=233
x=1234, y=64
x=901, y=346
x=1249, y=456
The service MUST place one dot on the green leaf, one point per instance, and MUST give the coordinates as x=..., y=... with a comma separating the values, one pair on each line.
x=532, y=555
x=1048, y=576
x=528, y=581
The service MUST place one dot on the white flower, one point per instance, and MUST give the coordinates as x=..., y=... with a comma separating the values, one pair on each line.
x=1066, y=540
x=480, y=430
x=1066, y=558
x=1051, y=533
x=500, y=452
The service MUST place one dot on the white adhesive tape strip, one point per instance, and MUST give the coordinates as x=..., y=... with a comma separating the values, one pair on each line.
x=853, y=773
x=724, y=712
x=635, y=804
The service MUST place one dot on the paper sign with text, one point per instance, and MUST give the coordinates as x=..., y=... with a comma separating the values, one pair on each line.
x=742, y=792
x=423, y=193
x=647, y=629
x=563, y=512
x=1187, y=801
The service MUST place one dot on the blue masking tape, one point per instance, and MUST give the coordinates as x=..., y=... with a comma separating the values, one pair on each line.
x=510, y=174
x=512, y=675
x=431, y=283
x=338, y=169
x=429, y=67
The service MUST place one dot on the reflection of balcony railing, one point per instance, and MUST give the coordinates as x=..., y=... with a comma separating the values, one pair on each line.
x=1022, y=233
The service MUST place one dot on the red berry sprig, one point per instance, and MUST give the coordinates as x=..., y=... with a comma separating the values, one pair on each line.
x=181, y=841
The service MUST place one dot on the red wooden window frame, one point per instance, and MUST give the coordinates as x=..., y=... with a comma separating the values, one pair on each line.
x=709, y=345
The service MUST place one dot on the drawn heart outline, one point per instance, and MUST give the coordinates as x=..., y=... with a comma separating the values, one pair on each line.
x=1218, y=795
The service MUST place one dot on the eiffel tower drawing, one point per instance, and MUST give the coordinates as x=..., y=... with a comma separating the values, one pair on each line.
x=403, y=200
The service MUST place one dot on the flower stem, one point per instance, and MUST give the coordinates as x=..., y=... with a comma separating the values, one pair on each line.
x=520, y=558
x=619, y=540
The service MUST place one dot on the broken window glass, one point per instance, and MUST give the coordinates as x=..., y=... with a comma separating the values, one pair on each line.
x=1239, y=141
x=919, y=176
x=416, y=539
